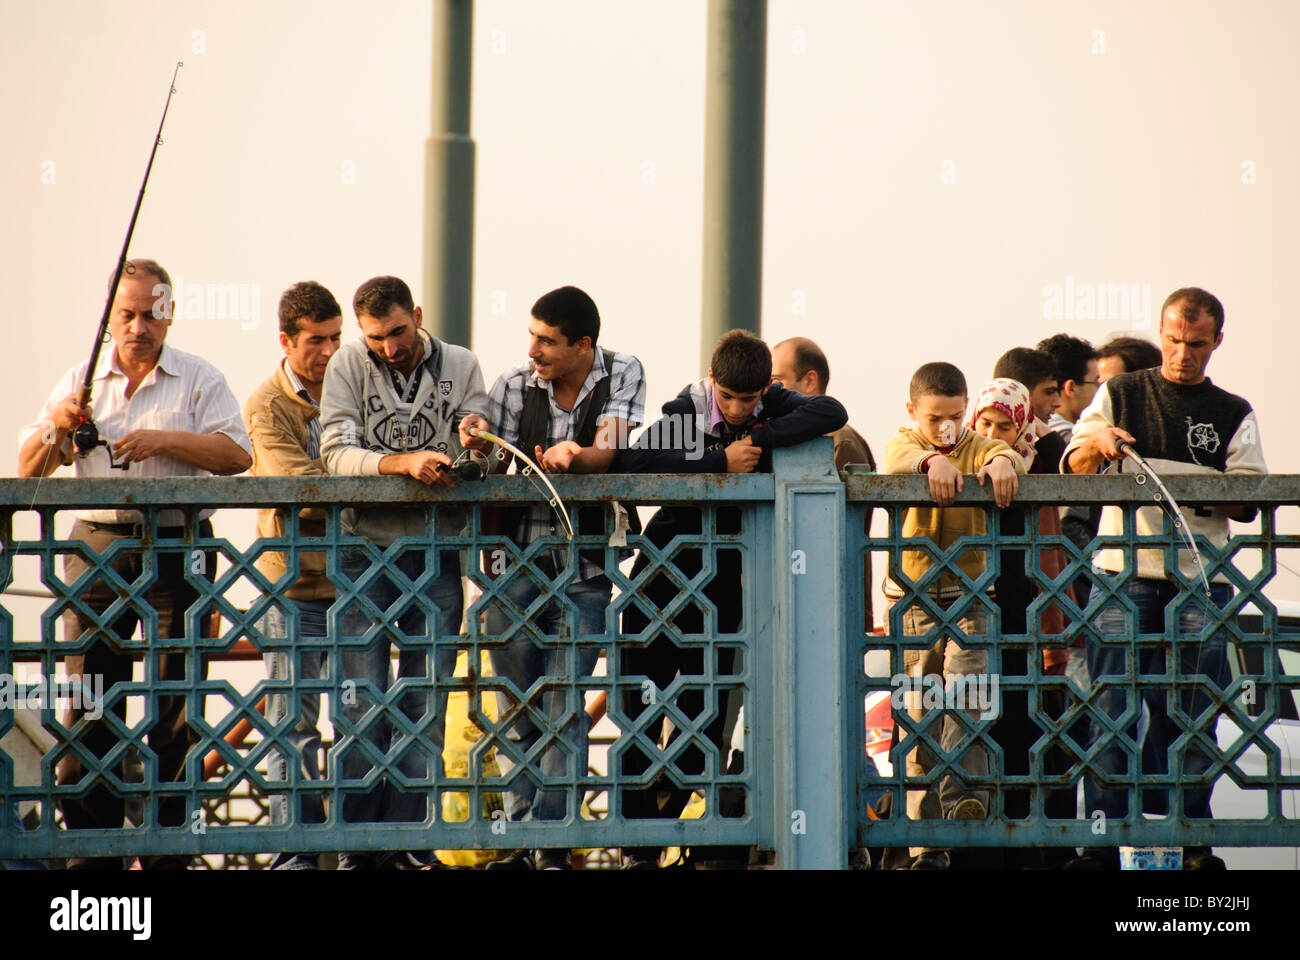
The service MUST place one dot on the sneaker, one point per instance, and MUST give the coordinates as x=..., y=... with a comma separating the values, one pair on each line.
x=634, y=861
x=357, y=861
x=552, y=860
x=297, y=861
x=932, y=860
x=413, y=860
x=968, y=809
x=519, y=860
x=1202, y=858
x=1095, y=858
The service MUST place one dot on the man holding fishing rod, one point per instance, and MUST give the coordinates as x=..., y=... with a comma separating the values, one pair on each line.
x=397, y=402
x=161, y=413
x=1170, y=419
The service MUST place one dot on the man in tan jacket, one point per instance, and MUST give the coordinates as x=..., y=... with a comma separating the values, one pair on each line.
x=283, y=421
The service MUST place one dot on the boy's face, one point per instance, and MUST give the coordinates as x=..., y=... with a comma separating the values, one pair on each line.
x=735, y=405
x=996, y=425
x=1045, y=398
x=938, y=418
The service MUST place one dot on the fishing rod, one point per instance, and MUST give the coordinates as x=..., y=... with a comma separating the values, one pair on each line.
x=1163, y=497
x=86, y=436
x=531, y=469
x=1167, y=503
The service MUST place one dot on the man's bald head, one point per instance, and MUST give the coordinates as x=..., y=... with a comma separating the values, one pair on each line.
x=800, y=365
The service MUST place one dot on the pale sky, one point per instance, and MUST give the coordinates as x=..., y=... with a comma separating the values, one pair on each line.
x=933, y=168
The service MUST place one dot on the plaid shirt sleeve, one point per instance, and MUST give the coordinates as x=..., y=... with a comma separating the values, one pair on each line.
x=506, y=404
x=627, y=391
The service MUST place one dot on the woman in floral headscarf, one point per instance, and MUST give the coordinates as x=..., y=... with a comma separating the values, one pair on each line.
x=1003, y=411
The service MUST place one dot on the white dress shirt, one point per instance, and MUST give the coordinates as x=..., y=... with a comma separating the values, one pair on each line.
x=182, y=392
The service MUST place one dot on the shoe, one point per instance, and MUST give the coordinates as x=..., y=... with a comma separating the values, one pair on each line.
x=932, y=860
x=552, y=860
x=642, y=858
x=519, y=860
x=1095, y=858
x=297, y=861
x=1201, y=858
x=633, y=861
x=357, y=861
x=94, y=863
x=968, y=809
x=412, y=860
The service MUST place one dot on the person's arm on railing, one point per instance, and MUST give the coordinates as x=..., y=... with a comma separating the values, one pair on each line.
x=1092, y=444
x=795, y=418
x=1245, y=455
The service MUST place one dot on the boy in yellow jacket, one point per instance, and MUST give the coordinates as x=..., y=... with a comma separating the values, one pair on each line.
x=945, y=450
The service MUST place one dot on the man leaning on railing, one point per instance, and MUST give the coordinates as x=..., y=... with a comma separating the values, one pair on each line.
x=283, y=420
x=1181, y=423
x=396, y=402
x=571, y=406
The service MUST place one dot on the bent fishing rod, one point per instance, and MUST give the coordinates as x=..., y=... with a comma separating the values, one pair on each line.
x=532, y=470
x=86, y=436
x=1163, y=497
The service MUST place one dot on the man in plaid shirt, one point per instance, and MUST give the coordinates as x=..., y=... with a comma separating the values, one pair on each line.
x=571, y=407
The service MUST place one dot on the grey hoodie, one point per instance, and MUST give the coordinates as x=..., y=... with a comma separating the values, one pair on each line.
x=360, y=423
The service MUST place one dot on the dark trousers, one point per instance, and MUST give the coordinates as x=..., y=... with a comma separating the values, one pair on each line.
x=1015, y=730
x=659, y=659
x=169, y=735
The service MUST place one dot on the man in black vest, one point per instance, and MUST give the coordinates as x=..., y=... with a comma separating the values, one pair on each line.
x=571, y=407
x=1181, y=423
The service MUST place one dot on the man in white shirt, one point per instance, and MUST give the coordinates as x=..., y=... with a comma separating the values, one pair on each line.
x=163, y=413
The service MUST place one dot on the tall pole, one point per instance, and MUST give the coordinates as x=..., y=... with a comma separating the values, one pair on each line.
x=735, y=93
x=449, y=178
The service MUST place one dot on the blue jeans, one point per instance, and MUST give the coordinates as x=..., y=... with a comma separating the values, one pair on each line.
x=369, y=666
x=523, y=660
x=1113, y=695
x=304, y=738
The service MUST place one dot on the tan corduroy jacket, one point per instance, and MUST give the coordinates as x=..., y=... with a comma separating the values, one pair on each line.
x=277, y=419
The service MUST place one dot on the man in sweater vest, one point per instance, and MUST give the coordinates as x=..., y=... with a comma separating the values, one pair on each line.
x=1180, y=423
x=570, y=407
x=283, y=421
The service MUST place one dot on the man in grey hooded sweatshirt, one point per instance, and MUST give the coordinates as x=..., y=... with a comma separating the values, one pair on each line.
x=398, y=402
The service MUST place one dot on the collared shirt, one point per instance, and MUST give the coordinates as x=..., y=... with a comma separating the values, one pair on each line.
x=718, y=425
x=506, y=406
x=182, y=392
x=313, y=425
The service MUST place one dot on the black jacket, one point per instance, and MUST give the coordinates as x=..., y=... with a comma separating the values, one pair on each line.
x=681, y=441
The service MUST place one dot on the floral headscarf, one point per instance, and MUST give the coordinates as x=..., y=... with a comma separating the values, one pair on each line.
x=1011, y=398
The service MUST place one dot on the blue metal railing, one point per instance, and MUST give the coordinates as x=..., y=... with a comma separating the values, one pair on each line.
x=783, y=551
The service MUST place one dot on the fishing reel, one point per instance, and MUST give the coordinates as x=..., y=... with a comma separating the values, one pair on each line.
x=470, y=466
x=86, y=438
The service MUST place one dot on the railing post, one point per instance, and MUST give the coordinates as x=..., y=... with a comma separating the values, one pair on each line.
x=811, y=678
